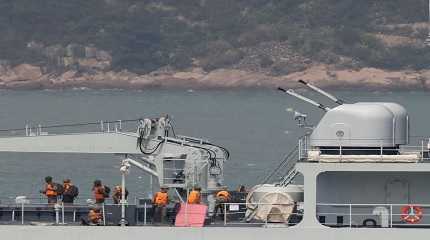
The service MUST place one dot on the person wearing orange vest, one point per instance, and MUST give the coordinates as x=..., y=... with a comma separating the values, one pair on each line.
x=194, y=197
x=50, y=190
x=99, y=191
x=221, y=198
x=159, y=203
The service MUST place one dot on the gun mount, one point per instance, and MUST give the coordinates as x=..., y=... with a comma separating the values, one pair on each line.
x=362, y=124
x=294, y=94
x=319, y=90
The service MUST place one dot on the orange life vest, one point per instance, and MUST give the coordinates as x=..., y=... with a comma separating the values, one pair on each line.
x=194, y=197
x=50, y=190
x=99, y=193
x=161, y=199
x=223, y=195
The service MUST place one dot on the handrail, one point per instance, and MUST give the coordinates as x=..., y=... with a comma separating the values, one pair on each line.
x=291, y=156
x=384, y=217
x=422, y=151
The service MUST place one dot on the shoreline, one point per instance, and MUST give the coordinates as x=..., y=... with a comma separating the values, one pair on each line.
x=29, y=77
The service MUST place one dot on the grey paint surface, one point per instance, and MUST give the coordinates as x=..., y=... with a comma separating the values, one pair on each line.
x=215, y=233
x=362, y=125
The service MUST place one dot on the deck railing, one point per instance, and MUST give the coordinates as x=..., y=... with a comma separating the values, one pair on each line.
x=418, y=152
x=329, y=214
x=374, y=215
x=64, y=214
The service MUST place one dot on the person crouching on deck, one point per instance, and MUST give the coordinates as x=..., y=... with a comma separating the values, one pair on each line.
x=95, y=218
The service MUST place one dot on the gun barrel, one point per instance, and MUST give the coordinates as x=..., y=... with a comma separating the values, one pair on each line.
x=319, y=90
x=293, y=93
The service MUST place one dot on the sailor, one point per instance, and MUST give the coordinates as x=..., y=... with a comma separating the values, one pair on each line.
x=221, y=198
x=95, y=217
x=241, y=189
x=159, y=203
x=70, y=191
x=117, y=194
x=100, y=191
x=51, y=190
x=194, y=197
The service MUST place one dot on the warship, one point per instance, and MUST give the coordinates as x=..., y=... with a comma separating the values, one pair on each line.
x=355, y=175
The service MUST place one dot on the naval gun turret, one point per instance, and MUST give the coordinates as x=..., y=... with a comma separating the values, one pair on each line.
x=362, y=128
x=370, y=125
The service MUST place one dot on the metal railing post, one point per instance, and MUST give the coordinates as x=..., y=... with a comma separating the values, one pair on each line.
x=62, y=213
x=186, y=214
x=57, y=213
x=104, y=214
x=144, y=214
x=225, y=214
x=22, y=213
x=422, y=150
x=391, y=215
x=350, y=215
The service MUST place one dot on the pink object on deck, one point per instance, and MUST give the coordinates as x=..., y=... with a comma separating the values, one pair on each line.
x=191, y=215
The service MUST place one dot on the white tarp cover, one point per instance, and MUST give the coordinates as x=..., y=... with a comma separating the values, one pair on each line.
x=274, y=206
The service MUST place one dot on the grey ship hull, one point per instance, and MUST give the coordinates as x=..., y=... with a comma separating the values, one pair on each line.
x=208, y=233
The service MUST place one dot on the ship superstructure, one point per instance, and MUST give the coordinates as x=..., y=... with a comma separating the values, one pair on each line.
x=355, y=175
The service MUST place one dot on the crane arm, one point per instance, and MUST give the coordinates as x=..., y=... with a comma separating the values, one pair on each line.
x=101, y=142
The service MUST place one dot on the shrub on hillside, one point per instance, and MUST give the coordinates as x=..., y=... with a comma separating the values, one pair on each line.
x=260, y=34
x=284, y=68
x=265, y=61
x=221, y=60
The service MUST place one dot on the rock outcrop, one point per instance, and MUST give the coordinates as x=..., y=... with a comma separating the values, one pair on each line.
x=27, y=76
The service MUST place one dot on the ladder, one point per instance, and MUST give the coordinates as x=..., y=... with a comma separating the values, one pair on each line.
x=287, y=179
x=288, y=162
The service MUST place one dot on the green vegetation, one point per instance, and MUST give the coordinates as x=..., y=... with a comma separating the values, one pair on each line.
x=144, y=35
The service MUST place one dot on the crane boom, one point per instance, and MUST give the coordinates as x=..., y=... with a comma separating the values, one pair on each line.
x=102, y=142
x=178, y=161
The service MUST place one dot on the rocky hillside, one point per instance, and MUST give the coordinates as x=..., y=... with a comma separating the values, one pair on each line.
x=222, y=43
